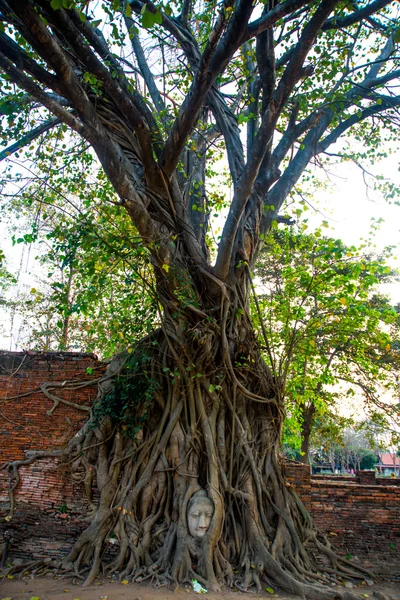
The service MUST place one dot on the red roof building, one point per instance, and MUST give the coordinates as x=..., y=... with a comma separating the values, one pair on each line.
x=388, y=463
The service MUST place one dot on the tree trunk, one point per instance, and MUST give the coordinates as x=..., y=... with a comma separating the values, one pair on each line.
x=308, y=413
x=194, y=408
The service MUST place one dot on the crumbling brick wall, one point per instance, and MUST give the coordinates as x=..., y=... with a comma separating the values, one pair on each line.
x=298, y=476
x=49, y=509
x=362, y=519
x=26, y=426
x=361, y=513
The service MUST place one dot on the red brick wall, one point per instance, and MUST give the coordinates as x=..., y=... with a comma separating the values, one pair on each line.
x=25, y=425
x=365, y=519
x=360, y=513
x=298, y=476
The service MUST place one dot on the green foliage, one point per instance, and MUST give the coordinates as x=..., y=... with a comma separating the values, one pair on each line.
x=368, y=461
x=6, y=278
x=330, y=334
x=100, y=294
x=132, y=396
x=291, y=436
x=95, y=291
x=150, y=18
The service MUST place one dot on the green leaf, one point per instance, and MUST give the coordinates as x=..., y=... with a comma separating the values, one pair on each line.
x=148, y=19
x=133, y=31
x=158, y=18
x=56, y=4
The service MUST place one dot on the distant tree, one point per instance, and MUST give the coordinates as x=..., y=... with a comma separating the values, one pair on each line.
x=327, y=439
x=96, y=292
x=352, y=450
x=344, y=445
x=325, y=324
x=368, y=461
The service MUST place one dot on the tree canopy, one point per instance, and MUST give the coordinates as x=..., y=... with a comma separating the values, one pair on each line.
x=329, y=334
x=295, y=76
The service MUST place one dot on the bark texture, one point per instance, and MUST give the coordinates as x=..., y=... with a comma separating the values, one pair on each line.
x=194, y=407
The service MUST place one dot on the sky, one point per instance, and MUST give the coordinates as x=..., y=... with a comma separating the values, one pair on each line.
x=353, y=210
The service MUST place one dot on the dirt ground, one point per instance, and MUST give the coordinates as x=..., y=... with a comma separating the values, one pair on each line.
x=46, y=588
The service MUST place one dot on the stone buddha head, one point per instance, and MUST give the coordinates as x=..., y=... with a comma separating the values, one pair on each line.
x=199, y=514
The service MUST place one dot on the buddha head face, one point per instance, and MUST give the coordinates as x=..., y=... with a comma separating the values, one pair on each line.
x=199, y=513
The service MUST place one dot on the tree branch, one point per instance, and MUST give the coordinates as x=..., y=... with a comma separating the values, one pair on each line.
x=111, y=86
x=215, y=61
x=375, y=109
x=97, y=41
x=292, y=73
x=210, y=65
x=265, y=52
x=34, y=90
x=264, y=137
x=311, y=146
x=145, y=71
x=225, y=119
x=266, y=21
x=291, y=135
x=359, y=15
x=19, y=57
x=186, y=9
x=49, y=49
x=29, y=137
x=227, y=124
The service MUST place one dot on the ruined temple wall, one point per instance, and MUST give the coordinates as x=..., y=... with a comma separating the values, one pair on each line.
x=360, y=514
x=26, y=426
x=362, y=519
x=49, y=508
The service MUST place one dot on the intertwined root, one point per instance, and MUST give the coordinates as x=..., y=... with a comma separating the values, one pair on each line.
x=205, y=433
x=200, y=428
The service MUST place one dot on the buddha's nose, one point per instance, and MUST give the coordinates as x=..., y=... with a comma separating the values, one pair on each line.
x=203, y=522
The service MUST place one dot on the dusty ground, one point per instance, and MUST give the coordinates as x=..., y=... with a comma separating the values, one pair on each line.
x=47, y=588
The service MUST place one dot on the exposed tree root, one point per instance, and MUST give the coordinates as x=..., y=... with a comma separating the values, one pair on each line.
x=12, y=469
x=169, y=421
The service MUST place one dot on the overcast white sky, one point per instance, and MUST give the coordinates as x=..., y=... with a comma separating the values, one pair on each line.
x=351, y=208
